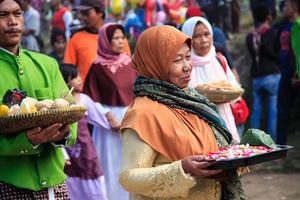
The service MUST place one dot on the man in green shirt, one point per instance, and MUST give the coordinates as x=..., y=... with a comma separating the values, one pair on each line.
x=31, y=162
x=295, y=37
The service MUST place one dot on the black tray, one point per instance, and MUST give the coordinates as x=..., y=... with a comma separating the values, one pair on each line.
x=252, y=160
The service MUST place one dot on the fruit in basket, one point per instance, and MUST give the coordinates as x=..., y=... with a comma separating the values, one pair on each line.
x=59, y=103
x=15, y=102
x=44, y=105
x=28, y=105
x=4, y=110
x=13, y=110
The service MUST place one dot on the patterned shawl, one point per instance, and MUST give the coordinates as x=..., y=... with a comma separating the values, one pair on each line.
x=192, y=102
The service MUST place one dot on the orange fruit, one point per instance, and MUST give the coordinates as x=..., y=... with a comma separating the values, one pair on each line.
x=4, y=110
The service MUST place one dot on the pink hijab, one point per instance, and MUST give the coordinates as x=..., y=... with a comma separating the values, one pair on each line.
x=105, y=55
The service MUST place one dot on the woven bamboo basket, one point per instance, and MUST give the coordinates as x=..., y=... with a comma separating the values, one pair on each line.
x=219, y=96
x=20, y=122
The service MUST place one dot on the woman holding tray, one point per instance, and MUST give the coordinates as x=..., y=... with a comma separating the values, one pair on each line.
x=207, y=67
x=169, y=127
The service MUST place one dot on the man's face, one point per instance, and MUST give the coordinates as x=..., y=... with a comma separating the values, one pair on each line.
x=91, y=18
x=11, y=23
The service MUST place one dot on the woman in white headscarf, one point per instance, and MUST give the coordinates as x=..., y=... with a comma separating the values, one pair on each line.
x=207, y=68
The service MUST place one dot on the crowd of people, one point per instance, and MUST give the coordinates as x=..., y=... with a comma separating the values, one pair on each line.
x=134, y=66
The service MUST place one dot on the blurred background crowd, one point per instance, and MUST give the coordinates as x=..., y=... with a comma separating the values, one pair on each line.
x=67, y=30
x=135, y=15
x=50, y=26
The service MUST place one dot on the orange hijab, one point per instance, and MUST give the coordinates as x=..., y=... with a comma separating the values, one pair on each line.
x=172, y=132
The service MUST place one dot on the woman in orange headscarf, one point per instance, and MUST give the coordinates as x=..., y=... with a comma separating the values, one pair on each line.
x=169, y=127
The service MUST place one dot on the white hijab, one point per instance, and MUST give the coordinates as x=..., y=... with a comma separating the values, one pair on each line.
x=208, y=69
x=189, y=25
x=188, y=29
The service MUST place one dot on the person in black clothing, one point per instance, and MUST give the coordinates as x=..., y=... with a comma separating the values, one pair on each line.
x=261, y=44
x=287, y=92
x=58, y=43
x=270, y=4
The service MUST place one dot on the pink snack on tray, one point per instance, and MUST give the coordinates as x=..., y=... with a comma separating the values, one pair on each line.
x=237, y=151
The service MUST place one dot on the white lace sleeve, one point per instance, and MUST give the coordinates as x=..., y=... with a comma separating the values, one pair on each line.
x=139, y=176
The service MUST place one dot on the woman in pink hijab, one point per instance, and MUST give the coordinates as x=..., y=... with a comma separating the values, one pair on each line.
x=110, y=82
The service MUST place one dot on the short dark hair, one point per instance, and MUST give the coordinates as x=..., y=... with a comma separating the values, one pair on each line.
x=68, y=71
x=100, y=10
x=261, y=13
x=98, y=5
x=57, y=34
x=17, y=1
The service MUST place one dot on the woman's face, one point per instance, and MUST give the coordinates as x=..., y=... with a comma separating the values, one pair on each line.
x=117, y=42
x=201, y=40
x=76, y=83
x=181, y=67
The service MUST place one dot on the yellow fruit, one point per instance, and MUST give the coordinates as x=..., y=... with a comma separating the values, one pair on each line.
x=4, y=110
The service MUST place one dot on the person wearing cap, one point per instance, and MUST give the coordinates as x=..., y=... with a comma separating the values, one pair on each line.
x=58, y=43
x=31, y=161
x=81, y=49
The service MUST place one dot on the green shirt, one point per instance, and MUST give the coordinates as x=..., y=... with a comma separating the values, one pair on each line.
x=295, y=40
x=20, y=164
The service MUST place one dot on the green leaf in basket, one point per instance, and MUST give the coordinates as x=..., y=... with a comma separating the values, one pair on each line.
x=257, y=137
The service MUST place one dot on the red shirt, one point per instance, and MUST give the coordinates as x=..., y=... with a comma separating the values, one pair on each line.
x=57, y=19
